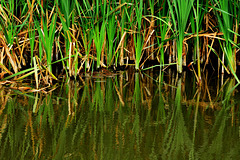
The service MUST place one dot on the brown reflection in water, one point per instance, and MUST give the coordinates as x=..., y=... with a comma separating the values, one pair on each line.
x=208, y=97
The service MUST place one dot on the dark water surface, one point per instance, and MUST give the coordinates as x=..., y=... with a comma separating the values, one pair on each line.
x=124, y=116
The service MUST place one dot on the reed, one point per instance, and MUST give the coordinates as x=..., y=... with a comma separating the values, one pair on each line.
x=124, y=20
x=67, y=17
x=163, y=29
x=138, y=37
x=180, y=11
x=226, y=14
x=85, y=24
x=99, y=30
x=196, y=25
x=138, y=42
x=32, y=41
x=47, y=36
x=99, y=34
x=111, y=33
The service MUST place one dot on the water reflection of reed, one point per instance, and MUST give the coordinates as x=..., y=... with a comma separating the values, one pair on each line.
x=128, y=116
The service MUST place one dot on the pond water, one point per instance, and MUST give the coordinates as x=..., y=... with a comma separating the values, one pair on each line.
x=127, y=115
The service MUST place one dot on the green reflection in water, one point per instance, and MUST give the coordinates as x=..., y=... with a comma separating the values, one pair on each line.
x=176, y=138
x=129, y=116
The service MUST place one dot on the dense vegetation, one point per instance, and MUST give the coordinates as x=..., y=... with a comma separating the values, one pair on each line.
x=91, y=34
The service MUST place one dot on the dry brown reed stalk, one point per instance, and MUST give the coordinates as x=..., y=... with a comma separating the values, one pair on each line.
x=150, y=38
x=11, y=59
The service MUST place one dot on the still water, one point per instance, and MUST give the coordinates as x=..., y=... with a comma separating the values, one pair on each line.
x=123, y=116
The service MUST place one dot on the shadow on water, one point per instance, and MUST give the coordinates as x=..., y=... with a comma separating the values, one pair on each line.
x=125, y=116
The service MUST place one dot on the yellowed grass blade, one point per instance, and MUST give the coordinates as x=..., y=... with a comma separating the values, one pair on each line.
x=5, y=69
x=35, y=71
x=11, y=59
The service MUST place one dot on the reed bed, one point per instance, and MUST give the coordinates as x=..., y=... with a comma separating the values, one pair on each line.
x=42, y=36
